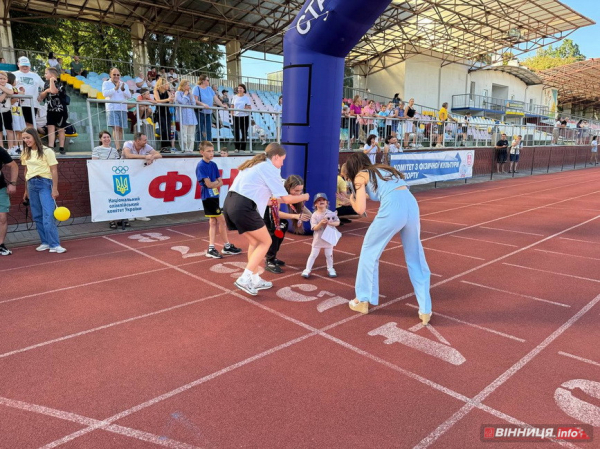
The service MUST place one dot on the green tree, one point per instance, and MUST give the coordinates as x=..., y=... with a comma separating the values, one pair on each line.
x=185, y=54
x=547, y=58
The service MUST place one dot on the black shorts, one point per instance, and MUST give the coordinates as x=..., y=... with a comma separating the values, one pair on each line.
x=501, y=156
x=241, y=214
x=27, y=114
x=211, y=207
x=345, y=210
x=57, y=118
x=6, y=121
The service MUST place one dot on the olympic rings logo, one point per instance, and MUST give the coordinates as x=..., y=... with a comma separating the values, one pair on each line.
x=120, y=170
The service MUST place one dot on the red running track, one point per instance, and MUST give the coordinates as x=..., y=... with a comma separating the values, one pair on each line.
x=137, y=340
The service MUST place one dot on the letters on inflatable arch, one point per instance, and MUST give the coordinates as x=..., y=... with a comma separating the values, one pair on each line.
x=314, y=49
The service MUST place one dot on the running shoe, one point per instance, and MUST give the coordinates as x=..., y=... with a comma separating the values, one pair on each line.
x=231, y=249
x=43, y=247
x=58, y=249
x=4, y=251
x=246, y=285
x=262, y=284
x=212, y=252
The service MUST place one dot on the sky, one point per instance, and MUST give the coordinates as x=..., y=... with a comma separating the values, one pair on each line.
x=587, y=38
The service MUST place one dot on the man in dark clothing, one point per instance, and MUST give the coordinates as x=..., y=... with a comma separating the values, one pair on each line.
x=501, y=153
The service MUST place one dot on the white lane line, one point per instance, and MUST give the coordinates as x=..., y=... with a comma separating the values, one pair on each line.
x=183, y=233
x=500, y=380
x=440, y=221
x=579, y=240
x=436, y=334
x=511, y=230
x=565, y=254
x=108, y=421
x=551, y=272
x=535, y=298
x=484, y=241
x=581, y=359
x=343, y=252
x=476, y=326
x=71, y=287
x=428, y=232
x=107, y=326
x=454, y=254
x=82, y=420
x=404, y=266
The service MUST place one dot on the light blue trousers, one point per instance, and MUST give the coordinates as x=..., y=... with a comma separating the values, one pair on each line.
x=398, y=212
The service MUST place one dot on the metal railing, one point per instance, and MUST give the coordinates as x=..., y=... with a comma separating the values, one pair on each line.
x=425, y=132
x=499, y=106
x=163, y=124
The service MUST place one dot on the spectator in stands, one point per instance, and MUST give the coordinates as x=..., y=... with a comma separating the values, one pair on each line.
x=116, y=91
x=163, y=97
x=225, y=98
x=6, y=122
x=145, y=115
x=77, y=67
x=391, y=147
x=141, y=81
x=41, y=189
x=386, y=125
x=501, y=153
x=205, y=96
x=59, y=66
x=259, y=132
x=173, y=74
x=355, y=113
x=594, y=157
x=187, y=117
x=224, y=152
x=173, y=83
x=162, y=73
x=465, y=128
x=277, y=119
x=2, y=61
x=18, y=122
x=515, y=149
x=56, y=95
x=399, y=119
x=396, y=100
x=31, y=84
x=344, y=126
x=442, y=123
x=152, y=75
x=368, y=124
x=371, y=148
x=556, y=131
x=241, y=118
x=409, y=126
x=52, y=61
x=6, y=188
x=105, y=150
x=138, y=148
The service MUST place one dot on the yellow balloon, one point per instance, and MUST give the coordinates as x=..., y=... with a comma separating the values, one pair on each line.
x=62, y=213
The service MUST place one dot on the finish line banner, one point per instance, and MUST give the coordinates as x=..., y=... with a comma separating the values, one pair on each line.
x=423, y=168
x=126, y=188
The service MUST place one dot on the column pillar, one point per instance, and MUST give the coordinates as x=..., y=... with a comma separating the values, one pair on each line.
x=6, y=40
x=234, y=61
x=140, y=50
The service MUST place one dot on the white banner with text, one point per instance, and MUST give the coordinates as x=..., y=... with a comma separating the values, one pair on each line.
x=126, y=188
x=426, y=167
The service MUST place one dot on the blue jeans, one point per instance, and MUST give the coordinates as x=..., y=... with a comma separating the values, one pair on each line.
x=42, y=210
x=204, y=129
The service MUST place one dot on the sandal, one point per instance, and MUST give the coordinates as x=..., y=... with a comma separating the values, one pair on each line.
x=359, y=306
x=112, y=224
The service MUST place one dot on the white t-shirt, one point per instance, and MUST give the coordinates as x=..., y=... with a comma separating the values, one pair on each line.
x=372, y=153
x=594, y=146
x=394, y=148
x=260, y=183
x=33, y=85
x=241, y=103
x=5, y=105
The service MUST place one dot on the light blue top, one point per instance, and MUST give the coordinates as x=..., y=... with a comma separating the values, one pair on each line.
x=187, y=114
x=384, y=188
x=206, y=95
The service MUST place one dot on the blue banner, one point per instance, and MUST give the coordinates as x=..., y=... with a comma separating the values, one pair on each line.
x=423, y=168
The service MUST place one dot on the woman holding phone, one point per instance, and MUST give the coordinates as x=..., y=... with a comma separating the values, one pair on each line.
x=241, y=119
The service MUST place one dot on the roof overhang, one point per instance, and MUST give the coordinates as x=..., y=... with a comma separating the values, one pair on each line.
x=577, y=83
x=524, y=74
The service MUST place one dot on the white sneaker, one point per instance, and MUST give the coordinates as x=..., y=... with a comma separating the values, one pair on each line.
x=42, y=247
x=58, y=249
x=142, y=219
x=331, y=272
x=246, y=285
x=262, y=284
x=306, y=274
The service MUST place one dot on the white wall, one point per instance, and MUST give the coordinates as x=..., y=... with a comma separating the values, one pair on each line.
x=388, y=82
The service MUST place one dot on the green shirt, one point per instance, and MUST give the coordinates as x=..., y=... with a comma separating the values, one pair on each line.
x=77, y=67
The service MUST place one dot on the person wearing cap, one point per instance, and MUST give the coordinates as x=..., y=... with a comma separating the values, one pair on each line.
x=398, y=213
x=33, y=84
x=321, y=218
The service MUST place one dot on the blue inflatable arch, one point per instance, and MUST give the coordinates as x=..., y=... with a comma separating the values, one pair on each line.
x=313, y=75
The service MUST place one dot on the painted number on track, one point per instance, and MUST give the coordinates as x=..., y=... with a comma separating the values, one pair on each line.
x=296, y=293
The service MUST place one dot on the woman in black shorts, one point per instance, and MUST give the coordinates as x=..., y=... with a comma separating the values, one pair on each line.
x=259, y=180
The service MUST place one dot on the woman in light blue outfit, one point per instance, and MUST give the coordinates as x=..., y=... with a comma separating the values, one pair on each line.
x=188, y=118
x=398, y=212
